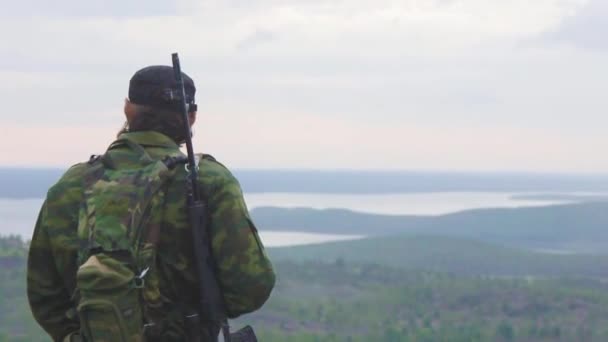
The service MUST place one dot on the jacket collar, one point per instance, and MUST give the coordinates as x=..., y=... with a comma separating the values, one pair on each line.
x=150, y=138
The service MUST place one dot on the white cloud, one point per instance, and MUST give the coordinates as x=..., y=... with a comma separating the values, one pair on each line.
x=442, y=76
x=586, y=28
x=319, y=28
x=89, y=8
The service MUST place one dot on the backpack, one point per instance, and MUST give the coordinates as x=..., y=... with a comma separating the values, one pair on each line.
x=116, y=282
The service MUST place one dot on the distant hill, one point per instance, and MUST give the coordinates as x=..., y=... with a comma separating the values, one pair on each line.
x=562, y=197
x=451, y=255
x=581, y=227
x=28, y=183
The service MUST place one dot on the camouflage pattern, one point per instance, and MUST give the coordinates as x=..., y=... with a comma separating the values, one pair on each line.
x=245, y=273
x=109, y=304
x=118, y=245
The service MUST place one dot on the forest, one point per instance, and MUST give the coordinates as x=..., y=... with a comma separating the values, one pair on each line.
x=357, y=300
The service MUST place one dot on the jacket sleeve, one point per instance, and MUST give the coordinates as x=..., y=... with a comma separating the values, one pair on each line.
x=52, y=259
x=245, y=272
x=48, y=297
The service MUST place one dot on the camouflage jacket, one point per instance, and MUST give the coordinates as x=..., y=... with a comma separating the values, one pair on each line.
x=245, y=273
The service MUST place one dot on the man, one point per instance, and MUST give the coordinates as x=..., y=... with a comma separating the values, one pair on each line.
x=154, y=130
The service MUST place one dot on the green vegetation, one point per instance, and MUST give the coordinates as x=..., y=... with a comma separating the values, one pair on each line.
x=12, y=246
x=366, y=299
x=340, y=301
x=16, y=321
x=450, y=255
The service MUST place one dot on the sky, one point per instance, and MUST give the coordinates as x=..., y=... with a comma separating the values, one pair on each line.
x=462, y=85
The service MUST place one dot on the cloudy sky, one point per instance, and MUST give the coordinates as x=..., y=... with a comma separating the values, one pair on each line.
x=496, y=85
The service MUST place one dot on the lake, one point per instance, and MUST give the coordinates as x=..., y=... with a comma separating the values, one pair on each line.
x=19, y=216
x=428, y=203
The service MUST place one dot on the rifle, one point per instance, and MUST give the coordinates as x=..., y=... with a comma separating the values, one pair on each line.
x=211, y=304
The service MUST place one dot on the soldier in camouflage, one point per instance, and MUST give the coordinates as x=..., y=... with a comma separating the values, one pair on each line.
x=244, y=271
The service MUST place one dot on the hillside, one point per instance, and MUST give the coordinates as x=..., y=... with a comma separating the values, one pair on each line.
x=581, y=227
x=345, y=300
x=16, y=321
x=451, y=255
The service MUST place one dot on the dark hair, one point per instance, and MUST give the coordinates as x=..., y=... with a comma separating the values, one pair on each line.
x=165, y=121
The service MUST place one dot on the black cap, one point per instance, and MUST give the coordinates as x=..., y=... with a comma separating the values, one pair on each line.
x=156, y=86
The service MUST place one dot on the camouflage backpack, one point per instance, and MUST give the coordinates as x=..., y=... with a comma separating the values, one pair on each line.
x=116, y=282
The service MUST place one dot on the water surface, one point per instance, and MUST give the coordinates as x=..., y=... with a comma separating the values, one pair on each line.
x=18, y=216
x=432, y=203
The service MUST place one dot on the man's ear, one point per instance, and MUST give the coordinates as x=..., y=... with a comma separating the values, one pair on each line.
x=192, y=118
x=129, y=110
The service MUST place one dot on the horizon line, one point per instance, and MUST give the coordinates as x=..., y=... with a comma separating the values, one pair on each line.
x=367, y=170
